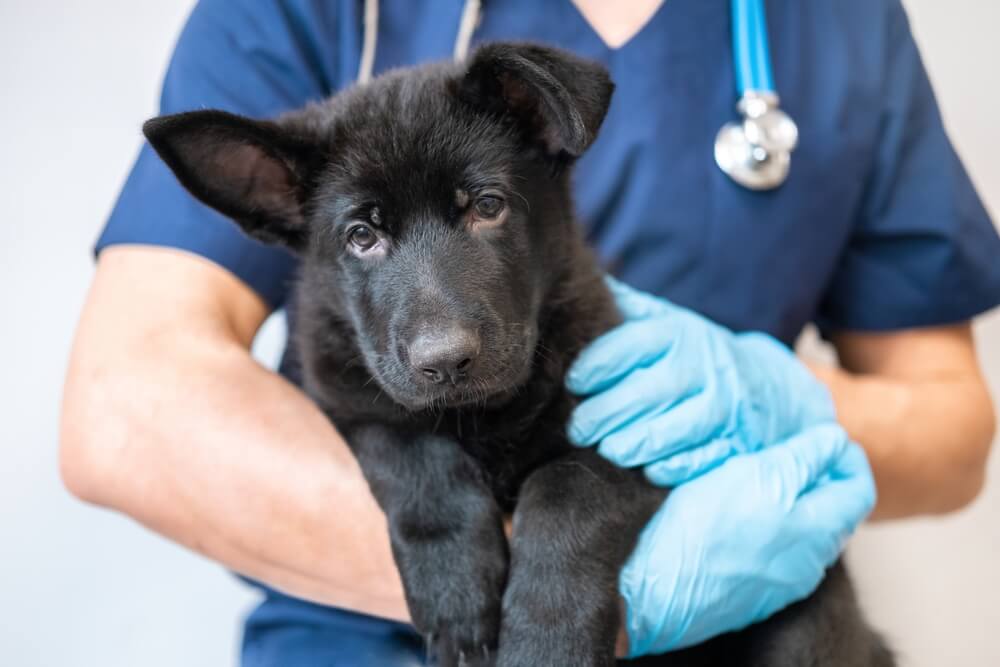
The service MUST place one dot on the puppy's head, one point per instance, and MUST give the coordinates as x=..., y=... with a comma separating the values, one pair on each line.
x=430, y=207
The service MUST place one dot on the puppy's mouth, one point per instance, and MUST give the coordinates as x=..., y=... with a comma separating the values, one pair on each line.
x=480, y=390
x=459, y=397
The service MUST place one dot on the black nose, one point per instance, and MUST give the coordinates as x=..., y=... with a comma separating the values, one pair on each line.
x=444, y=356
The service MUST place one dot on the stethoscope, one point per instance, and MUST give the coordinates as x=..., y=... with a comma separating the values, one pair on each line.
x=755, y=152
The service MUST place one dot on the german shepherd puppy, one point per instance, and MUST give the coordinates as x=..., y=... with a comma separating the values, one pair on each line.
x=444, y=291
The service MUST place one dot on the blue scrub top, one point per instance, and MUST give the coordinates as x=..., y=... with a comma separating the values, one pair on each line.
x=877, y=228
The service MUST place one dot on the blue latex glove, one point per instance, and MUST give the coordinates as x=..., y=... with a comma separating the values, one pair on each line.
x=674, y=392
x=745, y=540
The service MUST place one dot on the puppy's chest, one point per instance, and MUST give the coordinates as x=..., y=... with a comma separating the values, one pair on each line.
x=509, y=447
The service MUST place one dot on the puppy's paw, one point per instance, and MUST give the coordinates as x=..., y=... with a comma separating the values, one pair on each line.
x=462, y=625
x=465, y=645
x=456, y=603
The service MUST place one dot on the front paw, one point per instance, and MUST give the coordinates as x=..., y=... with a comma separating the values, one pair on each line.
x=454, y=592
x=468, y=638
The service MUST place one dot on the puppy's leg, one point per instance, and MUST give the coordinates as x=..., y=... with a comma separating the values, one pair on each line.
x=447, y=538
x=576, y=522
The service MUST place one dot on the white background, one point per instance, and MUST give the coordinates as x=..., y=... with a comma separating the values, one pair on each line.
x=79, y=586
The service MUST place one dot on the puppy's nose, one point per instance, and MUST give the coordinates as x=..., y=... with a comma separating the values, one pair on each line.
x=444, y=356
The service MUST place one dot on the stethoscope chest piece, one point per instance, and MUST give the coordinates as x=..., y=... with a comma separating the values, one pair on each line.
x=756, y=152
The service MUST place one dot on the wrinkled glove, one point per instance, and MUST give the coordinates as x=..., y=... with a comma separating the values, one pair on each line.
x=674, y=392
x=745, y=540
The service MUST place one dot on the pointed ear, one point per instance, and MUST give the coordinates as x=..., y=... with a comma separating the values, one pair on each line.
x=253, y=171
x=557, y=99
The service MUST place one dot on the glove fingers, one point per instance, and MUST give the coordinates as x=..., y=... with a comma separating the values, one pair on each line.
x=841, y=503
x=615, y=354
x=797, y=463
x=687, y=425
x=689, y=464
x=642, y=393
x=634, y=304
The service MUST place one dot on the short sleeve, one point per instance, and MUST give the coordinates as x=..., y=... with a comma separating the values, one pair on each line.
x=923, y=250
x=247, y=58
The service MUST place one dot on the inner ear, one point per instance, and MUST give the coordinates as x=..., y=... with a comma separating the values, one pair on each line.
x=557, y=99
x=255, y=172
x=546, y=112
x=250, y=172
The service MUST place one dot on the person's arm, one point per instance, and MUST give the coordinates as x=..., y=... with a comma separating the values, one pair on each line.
x=167, y=418
x=923, y=252
x=918, y=404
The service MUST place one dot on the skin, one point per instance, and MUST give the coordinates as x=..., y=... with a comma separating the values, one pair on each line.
x=617, y=22
x=918, y=403
x=914, y=399
x=168, y=419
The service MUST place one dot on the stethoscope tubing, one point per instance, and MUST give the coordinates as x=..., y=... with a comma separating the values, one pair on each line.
x=754, y=152
x=751, y=49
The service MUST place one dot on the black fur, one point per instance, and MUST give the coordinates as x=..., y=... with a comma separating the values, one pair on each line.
x=409, y=160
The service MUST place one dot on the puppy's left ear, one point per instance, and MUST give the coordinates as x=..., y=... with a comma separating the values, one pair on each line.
x=558, y=100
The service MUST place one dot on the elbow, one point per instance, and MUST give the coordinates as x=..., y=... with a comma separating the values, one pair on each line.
x=965, y=473
x=80, y=468
x=79, y=460
x=85, y=443
x=76, y=468
x=964, y=488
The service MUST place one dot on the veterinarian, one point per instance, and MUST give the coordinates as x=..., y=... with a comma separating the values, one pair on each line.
x=875, y=234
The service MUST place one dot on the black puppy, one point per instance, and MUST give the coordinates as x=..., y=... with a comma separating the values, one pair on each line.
x=444, y=291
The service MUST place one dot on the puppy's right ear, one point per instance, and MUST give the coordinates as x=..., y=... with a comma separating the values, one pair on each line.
x=253, y=171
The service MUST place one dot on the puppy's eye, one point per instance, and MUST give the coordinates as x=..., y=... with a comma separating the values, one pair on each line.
x=362, y=237
x=489, y=208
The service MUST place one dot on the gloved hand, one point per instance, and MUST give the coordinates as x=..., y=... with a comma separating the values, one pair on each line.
x=745, y=540
x=672, y=391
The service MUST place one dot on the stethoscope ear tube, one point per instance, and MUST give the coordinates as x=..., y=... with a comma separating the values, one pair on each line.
x=471, y=10
x=756, y=151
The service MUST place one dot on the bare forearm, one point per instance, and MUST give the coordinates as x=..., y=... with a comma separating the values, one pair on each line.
x=222, y=456
x=927, y=439
x=167, y=418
